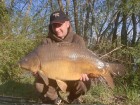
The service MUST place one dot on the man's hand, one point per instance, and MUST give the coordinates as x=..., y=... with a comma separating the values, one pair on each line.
x=35, y=74
x=84, y=77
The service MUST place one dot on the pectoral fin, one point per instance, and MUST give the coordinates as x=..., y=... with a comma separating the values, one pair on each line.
x=43, y=76
x=109, y=79
x=62, y=85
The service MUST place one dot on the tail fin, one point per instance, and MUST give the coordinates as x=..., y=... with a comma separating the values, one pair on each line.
x=116, y=69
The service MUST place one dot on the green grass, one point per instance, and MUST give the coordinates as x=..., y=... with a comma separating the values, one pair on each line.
x=24, y=89
x=99, y=94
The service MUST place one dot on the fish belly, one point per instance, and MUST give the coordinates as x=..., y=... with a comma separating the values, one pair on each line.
x=67, y=69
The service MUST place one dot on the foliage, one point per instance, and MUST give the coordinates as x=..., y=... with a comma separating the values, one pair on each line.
x=11, y=52
x=4, y=18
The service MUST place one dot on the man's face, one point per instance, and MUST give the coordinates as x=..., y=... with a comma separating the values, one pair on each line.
x=61, y=30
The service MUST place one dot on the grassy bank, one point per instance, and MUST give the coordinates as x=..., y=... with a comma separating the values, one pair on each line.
x=99, y=94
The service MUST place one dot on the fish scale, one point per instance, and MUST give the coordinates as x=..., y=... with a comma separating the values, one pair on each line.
x=68, y=51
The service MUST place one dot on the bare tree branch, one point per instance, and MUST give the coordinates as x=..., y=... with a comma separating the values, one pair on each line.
x=29, y=8
x=112, y=51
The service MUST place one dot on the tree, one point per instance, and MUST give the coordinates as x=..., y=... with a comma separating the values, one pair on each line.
x=76, y=17
x=67, y=6
x=114, y=30
x=86, y=25
x=60, y=5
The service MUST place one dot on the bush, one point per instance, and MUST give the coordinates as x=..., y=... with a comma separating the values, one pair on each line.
x=12, y=51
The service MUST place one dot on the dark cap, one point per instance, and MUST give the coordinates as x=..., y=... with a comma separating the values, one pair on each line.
x=58, y=17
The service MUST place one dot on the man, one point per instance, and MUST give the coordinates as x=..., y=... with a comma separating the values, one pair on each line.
x=60, y=30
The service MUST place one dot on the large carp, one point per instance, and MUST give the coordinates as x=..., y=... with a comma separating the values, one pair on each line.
x=65, y=62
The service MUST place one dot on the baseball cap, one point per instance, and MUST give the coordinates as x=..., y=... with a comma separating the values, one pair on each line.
x=58, y=17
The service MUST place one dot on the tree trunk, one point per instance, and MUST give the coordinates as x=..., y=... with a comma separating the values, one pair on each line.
x=134, y=29
x=76, y=16
x=51, y=4
x=114, y=37
x=123, y=30
x=86, y=26
x=67, y=6
x=60, y=5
